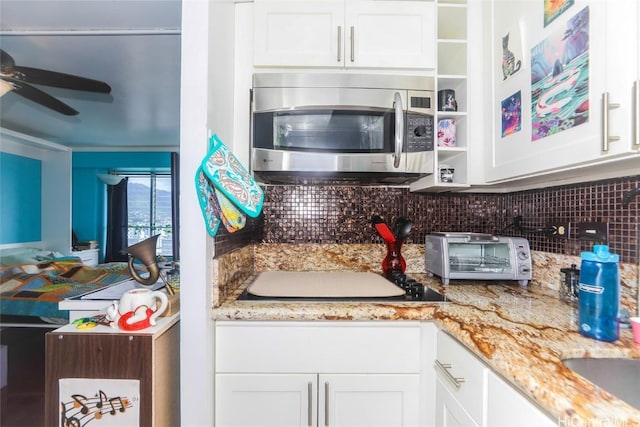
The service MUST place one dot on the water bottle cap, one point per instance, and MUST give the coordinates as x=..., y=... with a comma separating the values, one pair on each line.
x=601, y=254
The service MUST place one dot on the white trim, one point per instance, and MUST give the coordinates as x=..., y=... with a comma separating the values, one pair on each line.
x=117, y=32
x=31, y=140
x=137, y=148
x=36, y=244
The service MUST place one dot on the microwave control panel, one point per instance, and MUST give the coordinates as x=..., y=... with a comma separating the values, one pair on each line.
x=419, y=133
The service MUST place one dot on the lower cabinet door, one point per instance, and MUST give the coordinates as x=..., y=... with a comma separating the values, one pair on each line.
x=266, y=400
x=340, y=400
x=506, y=407
x=449, y=412
x=369, y=400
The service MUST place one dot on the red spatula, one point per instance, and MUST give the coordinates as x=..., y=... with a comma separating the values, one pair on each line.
x=383, y=229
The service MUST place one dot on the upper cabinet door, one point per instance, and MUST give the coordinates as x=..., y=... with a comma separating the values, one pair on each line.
x=390, y=34
x=298, y=33
x=344, y=34
x=562, y=86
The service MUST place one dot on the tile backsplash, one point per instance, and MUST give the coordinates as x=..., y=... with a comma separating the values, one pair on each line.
x=342, y=214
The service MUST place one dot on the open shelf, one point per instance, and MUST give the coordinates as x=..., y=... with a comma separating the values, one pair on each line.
x=451, y=73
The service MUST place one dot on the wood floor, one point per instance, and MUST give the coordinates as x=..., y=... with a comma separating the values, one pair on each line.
x=22, y=399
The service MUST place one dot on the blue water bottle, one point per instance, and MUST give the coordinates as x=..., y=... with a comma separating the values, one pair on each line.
x=599, y=294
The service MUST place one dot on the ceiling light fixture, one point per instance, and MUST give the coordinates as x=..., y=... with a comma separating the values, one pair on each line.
x=110, y=179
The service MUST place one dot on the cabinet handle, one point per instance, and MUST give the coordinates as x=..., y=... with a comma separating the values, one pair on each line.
x=352, y=43
x=636, y=114
x=310, y=403
x=339, y=43
x=444, y=369
x=326, y=403
x=606, y=106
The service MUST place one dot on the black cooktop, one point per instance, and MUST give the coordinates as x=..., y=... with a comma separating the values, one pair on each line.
x=414, y=292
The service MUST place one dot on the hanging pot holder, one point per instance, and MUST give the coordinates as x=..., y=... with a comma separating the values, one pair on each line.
x=231, y=217
x=207, y=200
x=231, y=178
x=225, y=190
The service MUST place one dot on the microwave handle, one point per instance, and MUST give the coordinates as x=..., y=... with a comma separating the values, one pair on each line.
x=399, y=112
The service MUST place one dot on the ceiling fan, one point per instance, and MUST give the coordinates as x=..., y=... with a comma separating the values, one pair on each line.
x=20, y=79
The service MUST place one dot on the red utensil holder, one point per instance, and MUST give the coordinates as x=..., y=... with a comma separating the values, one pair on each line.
x=394, y=261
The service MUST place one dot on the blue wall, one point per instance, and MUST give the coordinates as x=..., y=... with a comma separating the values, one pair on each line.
x=89, y=194
x=20, y=199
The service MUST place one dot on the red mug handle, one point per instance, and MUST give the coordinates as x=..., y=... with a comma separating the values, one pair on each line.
x=142, y=324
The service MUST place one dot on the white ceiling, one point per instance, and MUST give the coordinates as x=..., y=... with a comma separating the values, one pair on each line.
x=133, y=45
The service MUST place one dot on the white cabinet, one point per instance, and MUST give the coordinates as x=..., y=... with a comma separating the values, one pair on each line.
x=369, y=400
x=298, y=33
x=281, y=400
x=506, y=407
x=470, y=394
x=319, y=373
x=88, y=256
x=344, y=33
x=389, y=34
x=550, y=87
x=460, y=385
x=450, y=412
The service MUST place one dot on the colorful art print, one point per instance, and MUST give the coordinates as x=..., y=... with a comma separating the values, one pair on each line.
x=109, y=402
x=511, y=60
x=511, y=114
x=560, y=79
x=555, y=8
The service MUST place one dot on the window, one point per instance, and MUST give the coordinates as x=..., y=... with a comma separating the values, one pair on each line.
x=149, y=210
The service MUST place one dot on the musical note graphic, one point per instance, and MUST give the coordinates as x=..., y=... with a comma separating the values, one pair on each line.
x=103, y=398
x=78, y=404
x=68, y=421
x=81, y=410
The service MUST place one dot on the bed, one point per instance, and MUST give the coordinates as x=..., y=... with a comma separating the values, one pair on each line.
x=33, y=281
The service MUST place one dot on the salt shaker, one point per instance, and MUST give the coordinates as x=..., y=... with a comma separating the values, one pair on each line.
x=569, y=282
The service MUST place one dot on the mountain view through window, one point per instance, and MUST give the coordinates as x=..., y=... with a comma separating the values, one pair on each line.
x=149, y=210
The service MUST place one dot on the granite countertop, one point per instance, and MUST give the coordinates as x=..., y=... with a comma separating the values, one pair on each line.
x=522, y=333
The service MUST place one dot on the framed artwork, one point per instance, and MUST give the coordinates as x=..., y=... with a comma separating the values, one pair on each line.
x=512, y=114
x=560, y=78
x=555, y=8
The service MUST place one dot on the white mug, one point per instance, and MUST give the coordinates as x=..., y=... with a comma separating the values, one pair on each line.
x=139, y=300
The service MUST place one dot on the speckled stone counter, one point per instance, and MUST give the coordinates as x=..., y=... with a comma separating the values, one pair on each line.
x=522, y=333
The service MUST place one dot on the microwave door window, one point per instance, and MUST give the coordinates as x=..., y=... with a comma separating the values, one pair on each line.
x=331, y=131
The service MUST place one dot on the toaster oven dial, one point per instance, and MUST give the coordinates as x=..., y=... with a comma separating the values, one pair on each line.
x=523, y=255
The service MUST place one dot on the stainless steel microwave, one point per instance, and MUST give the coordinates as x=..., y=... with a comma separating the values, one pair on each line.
x=367, y=128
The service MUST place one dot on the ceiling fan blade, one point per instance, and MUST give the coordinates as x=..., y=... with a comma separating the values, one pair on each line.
x=61, y=80
x=40, y=97
x=6, y=62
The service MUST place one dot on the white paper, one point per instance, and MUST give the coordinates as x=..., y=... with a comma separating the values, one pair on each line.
x=111, y=403
x=114, y=292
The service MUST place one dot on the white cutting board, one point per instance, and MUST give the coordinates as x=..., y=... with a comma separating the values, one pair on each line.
x=323, y=284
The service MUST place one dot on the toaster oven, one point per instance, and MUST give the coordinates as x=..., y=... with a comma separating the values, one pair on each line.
x=477, y=256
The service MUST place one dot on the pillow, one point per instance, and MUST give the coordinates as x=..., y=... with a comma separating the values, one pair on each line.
x=12, y=256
